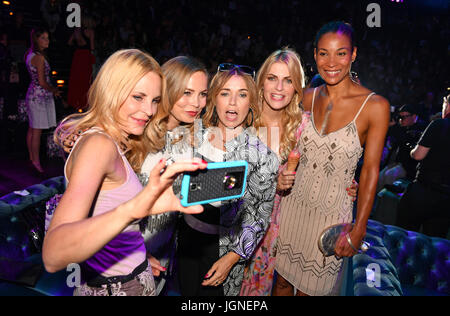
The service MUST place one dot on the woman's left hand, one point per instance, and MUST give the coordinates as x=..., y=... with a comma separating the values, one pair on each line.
x=220, y=270
x=343, y=248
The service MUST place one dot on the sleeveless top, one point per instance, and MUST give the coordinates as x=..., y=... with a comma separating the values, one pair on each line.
x=318, y=200
x=35, y=90
x=127, y=250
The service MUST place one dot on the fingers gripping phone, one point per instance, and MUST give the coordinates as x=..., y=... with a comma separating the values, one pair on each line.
x=220, y=181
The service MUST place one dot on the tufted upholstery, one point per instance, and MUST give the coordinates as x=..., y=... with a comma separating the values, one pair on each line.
x=410, y=263
x=18, y=216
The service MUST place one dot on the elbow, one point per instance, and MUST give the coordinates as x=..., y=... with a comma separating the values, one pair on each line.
x=50, y=261
x=49, y=266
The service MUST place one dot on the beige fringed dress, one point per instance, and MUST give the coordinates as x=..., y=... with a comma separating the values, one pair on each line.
x=318, y=200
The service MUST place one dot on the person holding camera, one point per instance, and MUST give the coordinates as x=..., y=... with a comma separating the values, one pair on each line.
x=426, y=200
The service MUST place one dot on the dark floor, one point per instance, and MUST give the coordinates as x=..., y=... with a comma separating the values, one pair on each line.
x=16, y=172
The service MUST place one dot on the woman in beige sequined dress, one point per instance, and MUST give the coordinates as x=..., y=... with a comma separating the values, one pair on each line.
x=344, y=117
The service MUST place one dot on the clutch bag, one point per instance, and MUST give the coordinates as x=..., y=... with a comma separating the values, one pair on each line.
x=328, y=238
x=330, y=235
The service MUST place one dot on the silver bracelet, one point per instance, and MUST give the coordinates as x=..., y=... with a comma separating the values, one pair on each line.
x=350, y=242
x=364, y=246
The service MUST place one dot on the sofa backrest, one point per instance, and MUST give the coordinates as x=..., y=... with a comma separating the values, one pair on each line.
x=22, y=219
x=421, y=261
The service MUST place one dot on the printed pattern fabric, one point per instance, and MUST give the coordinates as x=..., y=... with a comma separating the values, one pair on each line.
x=317, y=201
x=40, y=102
x=243, y=224
x=258, y=278
x=142, y=285
x=159, y=231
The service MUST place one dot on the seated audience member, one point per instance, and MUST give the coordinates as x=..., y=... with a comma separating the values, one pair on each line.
x=426, y=201
x=402, y=138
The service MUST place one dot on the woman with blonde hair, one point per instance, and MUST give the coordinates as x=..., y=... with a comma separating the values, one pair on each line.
x=214, y=246
x=280, y=84
x=96, y=221
x=187, y=89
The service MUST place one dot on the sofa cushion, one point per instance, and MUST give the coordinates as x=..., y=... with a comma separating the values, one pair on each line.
x=421, y=261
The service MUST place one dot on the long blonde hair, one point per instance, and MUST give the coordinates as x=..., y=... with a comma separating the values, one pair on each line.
x=112, y=86
x=177, y=72
x=292, y=114
x=210, y=118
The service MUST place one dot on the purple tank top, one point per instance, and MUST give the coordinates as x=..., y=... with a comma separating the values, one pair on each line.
x=127, y=250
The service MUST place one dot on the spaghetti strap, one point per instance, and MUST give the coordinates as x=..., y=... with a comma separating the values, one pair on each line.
x=363, y=105
x=312, y=105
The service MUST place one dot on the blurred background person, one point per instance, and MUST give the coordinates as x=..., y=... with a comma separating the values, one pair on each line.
x=39, y=100
x=426, y=200
x=83, y=41
x=402, y=137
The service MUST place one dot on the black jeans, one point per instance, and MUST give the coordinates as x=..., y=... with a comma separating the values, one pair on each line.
x=423, y=205
x=197, y=252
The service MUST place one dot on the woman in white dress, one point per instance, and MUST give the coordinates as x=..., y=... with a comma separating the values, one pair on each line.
x=39, y=99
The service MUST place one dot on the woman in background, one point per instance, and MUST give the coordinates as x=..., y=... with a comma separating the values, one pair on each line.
x=39, y=99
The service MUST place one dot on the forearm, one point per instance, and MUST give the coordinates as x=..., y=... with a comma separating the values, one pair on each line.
x=366, y=196
x=76, y=242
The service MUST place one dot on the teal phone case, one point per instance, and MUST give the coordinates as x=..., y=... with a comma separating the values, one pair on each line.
x=210, y=184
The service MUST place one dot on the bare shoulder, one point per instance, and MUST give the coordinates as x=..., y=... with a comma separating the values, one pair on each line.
x=96, y=148
x=307, y=99
x=377, y=105
x=38, y=59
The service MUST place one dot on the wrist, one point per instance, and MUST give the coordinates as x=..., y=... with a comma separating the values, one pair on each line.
x=234, y=257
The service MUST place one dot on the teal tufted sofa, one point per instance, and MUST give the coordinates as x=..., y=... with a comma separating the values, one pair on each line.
x=21, y=235
x=408, y=263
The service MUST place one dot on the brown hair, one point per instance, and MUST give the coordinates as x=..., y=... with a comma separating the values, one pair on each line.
x=210, y=118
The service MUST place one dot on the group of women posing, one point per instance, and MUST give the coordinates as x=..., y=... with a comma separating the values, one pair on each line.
x=127, y=236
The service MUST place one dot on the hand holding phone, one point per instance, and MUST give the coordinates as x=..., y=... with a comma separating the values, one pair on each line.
x=220, y=181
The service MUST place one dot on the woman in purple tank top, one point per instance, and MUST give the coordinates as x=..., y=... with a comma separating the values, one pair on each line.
x=96, y=221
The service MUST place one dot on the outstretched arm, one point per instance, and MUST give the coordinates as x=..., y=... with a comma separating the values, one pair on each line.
x=73, y=237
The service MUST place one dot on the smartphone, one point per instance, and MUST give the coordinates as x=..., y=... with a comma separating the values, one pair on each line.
x=220, y=181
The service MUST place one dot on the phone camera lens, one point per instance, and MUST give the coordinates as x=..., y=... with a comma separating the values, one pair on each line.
x=230, y=182
x=195, y=187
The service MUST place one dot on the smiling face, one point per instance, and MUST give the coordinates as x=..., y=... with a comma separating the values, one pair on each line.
x=278, y=88
x=334, y=57
x=233, y=103
x=140, y=105
x=189, y=106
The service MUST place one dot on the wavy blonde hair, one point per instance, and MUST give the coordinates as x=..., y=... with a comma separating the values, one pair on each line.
x=177, y=72
x=210, y=118
x=110, y=89
x=292, y=114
